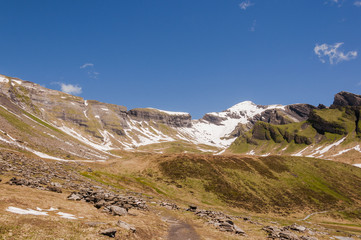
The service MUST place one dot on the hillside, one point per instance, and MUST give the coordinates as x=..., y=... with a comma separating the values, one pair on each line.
x=155, y=196
x=329, y=133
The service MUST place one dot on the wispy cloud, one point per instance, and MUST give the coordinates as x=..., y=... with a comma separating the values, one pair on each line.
x=85, y=65
x=333, y=53
x=253, y=27
x=357, y=3
x=91, y=73
x=337, y=2
x=245, y=4
x=70, y=88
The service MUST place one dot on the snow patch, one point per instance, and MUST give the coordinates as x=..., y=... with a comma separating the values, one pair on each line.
x=66, y=215
x=326, y=149
x=219, y=153
x=25, y=212
x=3, y=79
x=170, y=112
x=252, y=152
x=299, y=154
x=16, y=81
x=78, y=136
x=357, y=148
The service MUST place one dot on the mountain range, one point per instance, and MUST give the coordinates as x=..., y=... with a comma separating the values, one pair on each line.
x=56, y=125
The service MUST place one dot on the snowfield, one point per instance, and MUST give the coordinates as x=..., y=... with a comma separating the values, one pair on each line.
x=218, y=135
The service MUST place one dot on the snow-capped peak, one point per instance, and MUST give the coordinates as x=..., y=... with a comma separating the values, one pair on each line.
x=216, y=131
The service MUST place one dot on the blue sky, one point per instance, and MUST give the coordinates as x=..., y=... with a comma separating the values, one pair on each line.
x=194, y=56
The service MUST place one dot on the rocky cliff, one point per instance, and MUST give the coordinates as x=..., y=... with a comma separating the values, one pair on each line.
x=343, y=99
x=173, y=119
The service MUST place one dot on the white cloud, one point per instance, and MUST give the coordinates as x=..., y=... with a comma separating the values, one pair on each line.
x=70, y=88
x=245, y=4
x=85, y=65
x=333, y=53
x=357, y=3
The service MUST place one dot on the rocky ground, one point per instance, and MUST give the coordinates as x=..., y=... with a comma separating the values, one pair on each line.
x=123, y=214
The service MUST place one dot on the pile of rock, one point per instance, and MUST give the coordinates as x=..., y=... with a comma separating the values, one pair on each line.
x=110, y=202
x=39, y=174
x=286, y=233
x=220, y=220
x=36, y=183
x=170, y=206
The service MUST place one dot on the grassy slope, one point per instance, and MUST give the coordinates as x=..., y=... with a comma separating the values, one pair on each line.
x=267, y=184
x=323, y=126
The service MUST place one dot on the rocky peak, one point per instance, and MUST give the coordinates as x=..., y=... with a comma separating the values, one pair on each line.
x=343, y=99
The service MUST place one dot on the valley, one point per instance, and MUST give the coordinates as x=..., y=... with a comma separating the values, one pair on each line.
x=72, y=168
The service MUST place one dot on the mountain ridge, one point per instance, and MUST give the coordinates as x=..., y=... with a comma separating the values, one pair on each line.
x=104, y=127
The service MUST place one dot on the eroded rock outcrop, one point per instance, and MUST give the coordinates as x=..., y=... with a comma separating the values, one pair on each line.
x=158, y=116
x=343, y=99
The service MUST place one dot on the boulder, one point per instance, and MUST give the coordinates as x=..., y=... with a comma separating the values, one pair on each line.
x=110, y=232
x=118, y=211
x=126, y=226
x=100, y=204
x=297, y=228
x=75, y=196
x=238, y=230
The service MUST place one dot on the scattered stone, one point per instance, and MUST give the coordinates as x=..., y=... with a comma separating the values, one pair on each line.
x=110, y=232
x=170, y=206
x=75, y=197
x=118, y=211
x=54, y=189
x=126, y=226
x=288, y=236
x=100, y=204
x=238, y=230
x=297, y=228
x=56, y=184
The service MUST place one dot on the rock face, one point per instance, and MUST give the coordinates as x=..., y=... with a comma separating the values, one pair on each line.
x=291, y=113
x=211, y=118
x=150, y=114
x=343, y=99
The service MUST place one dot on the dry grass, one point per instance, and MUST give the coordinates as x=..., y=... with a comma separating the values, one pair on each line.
x=15, y=226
